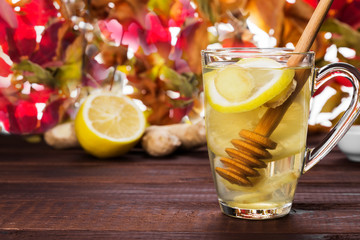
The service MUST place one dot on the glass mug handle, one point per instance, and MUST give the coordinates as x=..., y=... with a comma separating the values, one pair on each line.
x=314, y=155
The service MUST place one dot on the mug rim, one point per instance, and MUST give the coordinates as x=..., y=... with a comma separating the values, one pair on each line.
x=255, y=50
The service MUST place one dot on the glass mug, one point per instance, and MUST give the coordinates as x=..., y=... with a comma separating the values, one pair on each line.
x=256, y=113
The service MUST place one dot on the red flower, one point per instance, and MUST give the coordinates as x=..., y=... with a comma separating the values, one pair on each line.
x=4, y=118
x=51, y=115
x=4, y=68
x=32, y=108
x=156, y=31
x=48, y=44
x=30, y=113
x=347, y=11
x=112, y=30
x=23, y=117
x=38, y=12
x=21, y=41
x=135, y=36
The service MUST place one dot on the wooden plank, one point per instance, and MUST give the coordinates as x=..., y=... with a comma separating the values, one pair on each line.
x=180, y=191
x=90, y=234
x=62, y=194
x=165, y=216
x=149, y=172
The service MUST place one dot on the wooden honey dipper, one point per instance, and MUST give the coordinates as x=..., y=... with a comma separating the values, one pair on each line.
x=249, y=151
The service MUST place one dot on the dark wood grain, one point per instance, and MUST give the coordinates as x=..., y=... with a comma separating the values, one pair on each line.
x=67, y=194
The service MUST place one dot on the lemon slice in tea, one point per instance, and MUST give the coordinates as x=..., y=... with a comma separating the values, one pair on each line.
x=246, y=85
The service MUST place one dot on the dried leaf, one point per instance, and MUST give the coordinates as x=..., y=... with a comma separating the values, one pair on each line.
x=209, y=9
x=215, y=10
x=129, y=11
x=123, y=12
x=74, y=51
x=353, y=61
x=189, y=43
x=345, y=36
x=180, y=11
x=69, y=74
x=267, y=15
x=65, y=38
x=292, y=30
x=152, y=95
x=160, y=114
x=34, y=73
x=176, y=82
x=295, y=20
x=113, y=55
x=240, y=36
x=160, y=7
x=299, y=10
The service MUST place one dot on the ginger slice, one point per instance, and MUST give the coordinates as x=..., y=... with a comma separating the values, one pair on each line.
x=282, y=97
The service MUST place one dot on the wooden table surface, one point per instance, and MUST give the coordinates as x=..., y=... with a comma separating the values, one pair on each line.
x=66, y=194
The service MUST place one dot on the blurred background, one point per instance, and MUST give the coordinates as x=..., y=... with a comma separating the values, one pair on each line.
x=53, y=53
